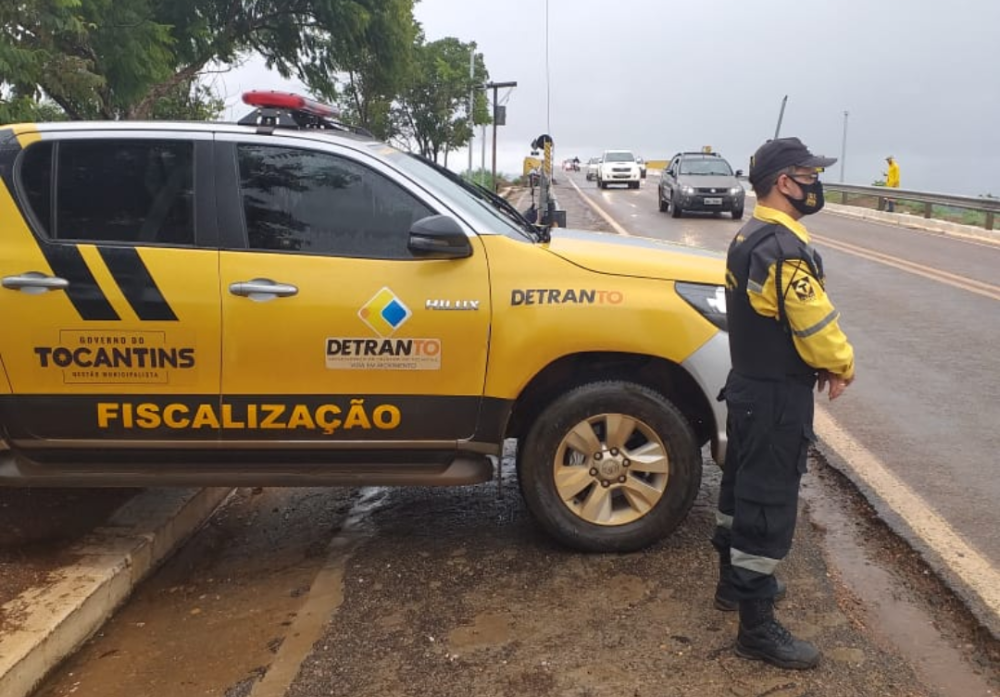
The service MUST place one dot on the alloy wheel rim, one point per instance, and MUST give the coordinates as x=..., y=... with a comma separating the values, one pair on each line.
x=611, y=469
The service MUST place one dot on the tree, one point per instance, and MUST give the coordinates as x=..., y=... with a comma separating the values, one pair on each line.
x=364, y=71
x=30, y=35
x=432, y=111
x=119, y=58
x=191, y=101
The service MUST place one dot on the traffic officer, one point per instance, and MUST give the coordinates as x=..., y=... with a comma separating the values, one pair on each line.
x=891, y=181
x=784, y=336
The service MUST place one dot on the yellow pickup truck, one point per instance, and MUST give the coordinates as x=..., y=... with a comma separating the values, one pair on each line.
x=286, y=301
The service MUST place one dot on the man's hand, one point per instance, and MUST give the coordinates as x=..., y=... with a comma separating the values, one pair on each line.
x=837, y=384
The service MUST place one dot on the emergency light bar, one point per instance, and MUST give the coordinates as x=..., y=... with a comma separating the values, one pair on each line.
x=290, y=102
x=288, y=110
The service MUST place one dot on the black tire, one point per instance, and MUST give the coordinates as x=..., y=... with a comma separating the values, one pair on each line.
x=738, y=213
x=663, y=204
x=625, y=529
x=675, y=210
x=633, y=185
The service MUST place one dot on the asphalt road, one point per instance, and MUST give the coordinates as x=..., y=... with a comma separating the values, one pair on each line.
x=921, y=310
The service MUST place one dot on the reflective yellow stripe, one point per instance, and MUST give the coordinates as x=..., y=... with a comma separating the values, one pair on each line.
x=803, y=333
x=753, y=562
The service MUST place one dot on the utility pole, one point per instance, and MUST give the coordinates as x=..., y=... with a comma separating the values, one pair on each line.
x=781, y=115
x=472, y=101
x=495, y=86
x=482, y=156
x=843, y=150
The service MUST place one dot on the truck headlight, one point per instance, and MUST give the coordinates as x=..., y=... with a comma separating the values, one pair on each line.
x=736, y=190
x=708, y=300
x=687, y=190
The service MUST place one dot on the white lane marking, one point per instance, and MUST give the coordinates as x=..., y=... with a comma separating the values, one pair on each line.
x=600, y=211
x=963, y=559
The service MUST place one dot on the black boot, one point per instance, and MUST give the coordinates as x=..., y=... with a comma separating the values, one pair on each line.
x=763, y=638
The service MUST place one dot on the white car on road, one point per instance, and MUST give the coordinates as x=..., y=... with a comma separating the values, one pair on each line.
x=618, y=167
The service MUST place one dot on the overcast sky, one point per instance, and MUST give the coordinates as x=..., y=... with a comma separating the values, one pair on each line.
x=919, y=78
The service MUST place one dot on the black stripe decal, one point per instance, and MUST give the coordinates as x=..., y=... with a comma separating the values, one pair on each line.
x=83, y=291
x=137, y=284
x=65, y=260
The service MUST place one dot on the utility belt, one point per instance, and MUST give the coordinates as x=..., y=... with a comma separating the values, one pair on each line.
x=803, y=379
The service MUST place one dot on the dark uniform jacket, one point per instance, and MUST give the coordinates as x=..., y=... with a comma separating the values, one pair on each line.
x=788, y=335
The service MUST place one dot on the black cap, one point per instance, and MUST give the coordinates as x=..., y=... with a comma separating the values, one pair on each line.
x=775, y=155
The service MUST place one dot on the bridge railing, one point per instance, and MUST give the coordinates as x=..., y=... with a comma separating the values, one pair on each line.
x=989, y=206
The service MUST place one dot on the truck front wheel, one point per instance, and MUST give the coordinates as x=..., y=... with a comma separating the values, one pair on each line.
x=610, y=467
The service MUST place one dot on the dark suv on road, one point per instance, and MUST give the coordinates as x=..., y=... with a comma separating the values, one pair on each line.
x=699, y=181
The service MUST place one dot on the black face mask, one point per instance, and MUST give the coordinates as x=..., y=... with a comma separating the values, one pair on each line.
x=813, y=198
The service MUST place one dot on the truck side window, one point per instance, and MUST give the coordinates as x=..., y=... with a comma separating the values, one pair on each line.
x=36, y=182
x=137, y=191
x=311, y=202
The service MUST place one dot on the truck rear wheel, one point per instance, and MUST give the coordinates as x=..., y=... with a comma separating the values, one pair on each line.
x=610, y=467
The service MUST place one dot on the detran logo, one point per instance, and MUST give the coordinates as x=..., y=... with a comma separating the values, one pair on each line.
x=384, y=313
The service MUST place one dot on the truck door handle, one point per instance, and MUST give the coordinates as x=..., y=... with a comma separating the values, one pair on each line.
x=262, y=289
x=34, y=283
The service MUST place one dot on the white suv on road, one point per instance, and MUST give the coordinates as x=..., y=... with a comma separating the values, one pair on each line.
x=618, y=167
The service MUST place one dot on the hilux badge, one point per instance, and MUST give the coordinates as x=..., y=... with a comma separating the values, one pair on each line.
x=451, y=305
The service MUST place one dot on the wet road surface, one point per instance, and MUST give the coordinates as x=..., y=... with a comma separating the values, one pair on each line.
x=304, y=592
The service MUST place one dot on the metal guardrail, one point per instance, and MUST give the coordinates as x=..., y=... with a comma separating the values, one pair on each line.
x=989, y=206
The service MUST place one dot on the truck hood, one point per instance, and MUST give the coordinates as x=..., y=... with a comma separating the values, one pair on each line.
x=615, y=255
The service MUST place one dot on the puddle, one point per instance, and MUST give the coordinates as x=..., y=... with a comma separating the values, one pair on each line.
x=890, y=612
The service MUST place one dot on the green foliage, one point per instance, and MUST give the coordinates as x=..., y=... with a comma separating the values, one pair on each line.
x=119, y=58
x=432, y=111
x=977, y=218
x=484, y=177
x=131, y=59
x=26, y=110
x=33, y=38
x=190, y=101
x=363, y=71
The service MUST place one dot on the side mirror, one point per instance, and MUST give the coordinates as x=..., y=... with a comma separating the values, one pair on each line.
x=739, y=173
x=439, y=237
